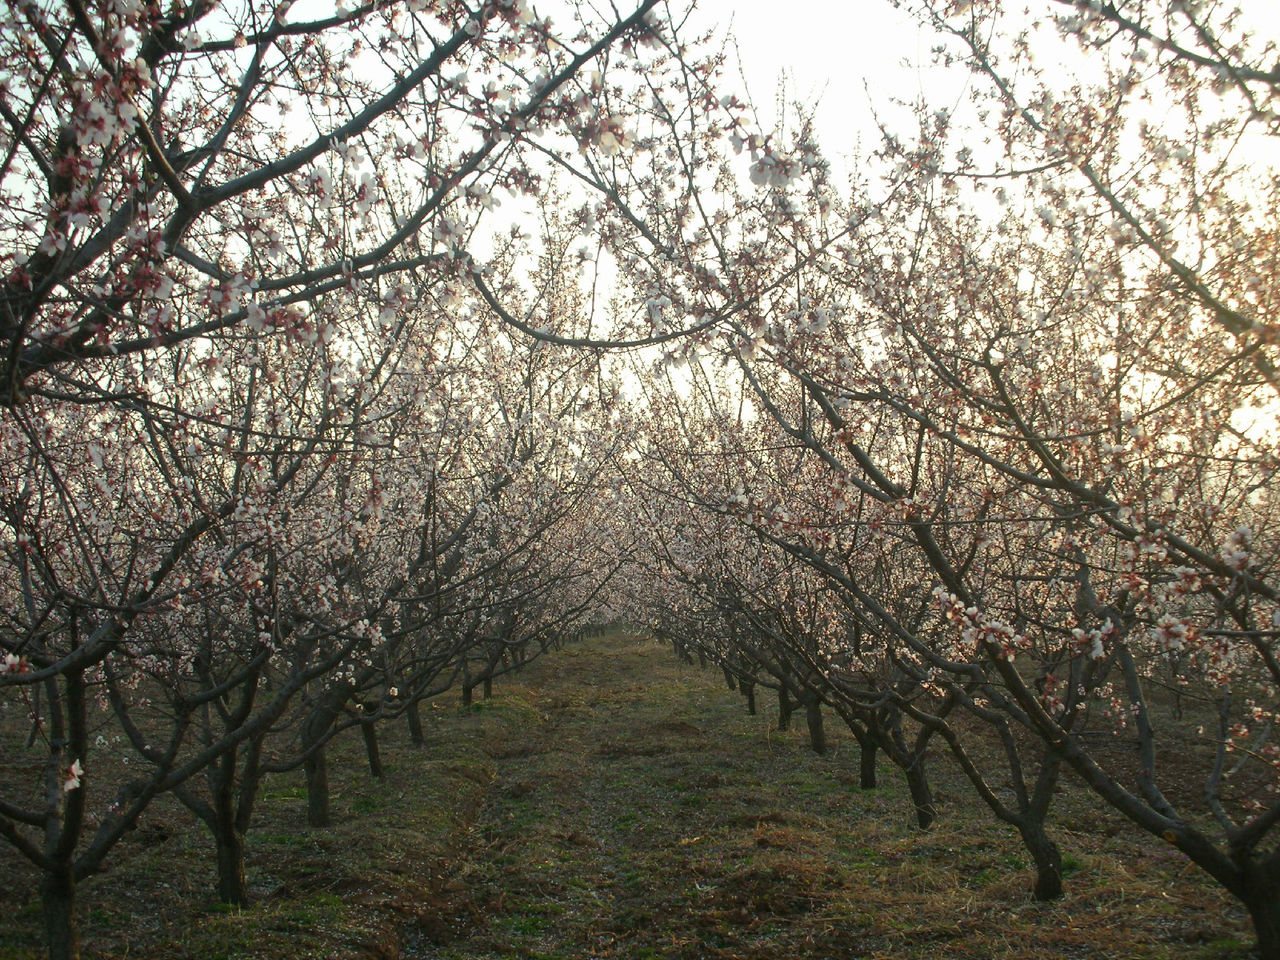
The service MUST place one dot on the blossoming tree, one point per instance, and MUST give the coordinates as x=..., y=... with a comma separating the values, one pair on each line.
x=1065, y=342
x=216, y=219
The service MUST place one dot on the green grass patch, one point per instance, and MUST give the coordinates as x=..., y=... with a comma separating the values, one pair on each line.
x=612, y=801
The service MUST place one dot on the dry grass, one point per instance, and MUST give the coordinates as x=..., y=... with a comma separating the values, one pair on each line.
x=613, y=802
x=344, y=891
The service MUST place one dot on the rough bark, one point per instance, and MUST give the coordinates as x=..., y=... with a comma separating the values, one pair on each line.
x=1262, y=899
x=369, y=733
x=414, y=715
x=58, y=898
x=317, y=726
x=232, y=887
x=867, y=763
x=227, y=837
x=813, y=717
x=1047, y=859
x=317, y=772
x=921, y=793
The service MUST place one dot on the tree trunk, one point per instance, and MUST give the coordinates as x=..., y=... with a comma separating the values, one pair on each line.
x=921, y=794
x=232, y=887
x=34, y=736
x=370, y=735
x=749, y=689
x=488, y=688
x=58, y=898
x=317, y=788
x=813, y=717
x=467, y=695
x=314, y=730
x=867, y=763
x=784, y=709
x=1263, y=903
x=728, y=676
x=228, y=840
x=414, y=716
x=1048, y=861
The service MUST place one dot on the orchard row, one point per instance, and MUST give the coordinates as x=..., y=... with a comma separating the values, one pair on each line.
x=353, y=358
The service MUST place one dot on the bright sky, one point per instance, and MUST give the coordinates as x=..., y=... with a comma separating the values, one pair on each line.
x=854, y=55
x=846, y=56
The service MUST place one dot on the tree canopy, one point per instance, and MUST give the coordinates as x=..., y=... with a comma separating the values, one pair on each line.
x=353, y=355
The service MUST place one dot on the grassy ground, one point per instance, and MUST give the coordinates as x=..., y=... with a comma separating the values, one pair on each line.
x=613, y=802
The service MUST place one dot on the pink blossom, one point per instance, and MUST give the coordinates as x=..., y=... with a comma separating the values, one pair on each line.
x=71, y=780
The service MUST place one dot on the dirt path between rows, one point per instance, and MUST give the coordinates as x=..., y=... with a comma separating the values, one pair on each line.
x=630, y=824
x=648, y=816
